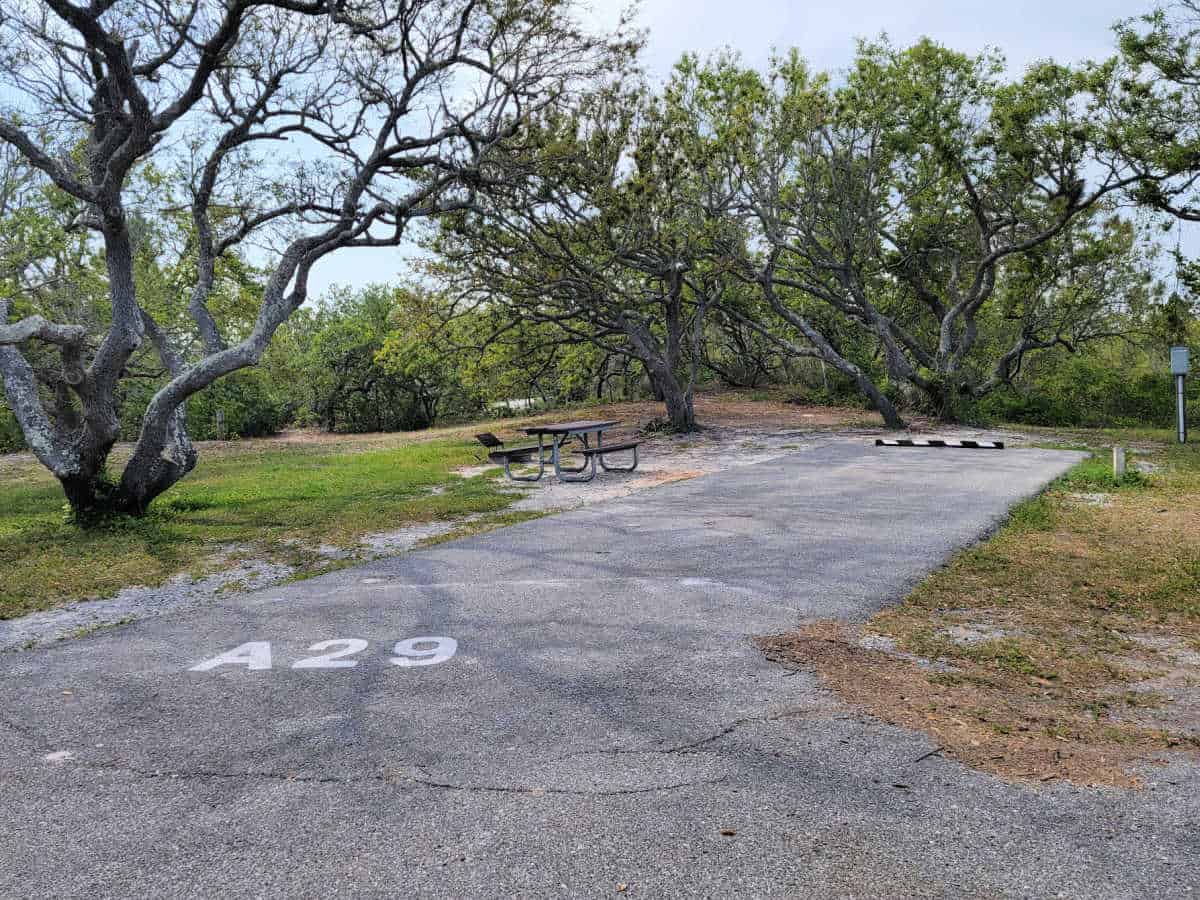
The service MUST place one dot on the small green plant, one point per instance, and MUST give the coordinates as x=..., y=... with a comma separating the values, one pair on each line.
x=1096, y=474
x=86, y=630
x=657, y=426
x=1037, y=514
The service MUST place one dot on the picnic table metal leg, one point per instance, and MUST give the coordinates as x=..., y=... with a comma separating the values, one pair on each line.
x=541, y=466
x=559, y=468
x=589, y=463
x=573, y=475
x=608, y=468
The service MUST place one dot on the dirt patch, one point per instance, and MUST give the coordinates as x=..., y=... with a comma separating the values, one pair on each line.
x=733, y=409
x=1016, y=737
x=1090, y=498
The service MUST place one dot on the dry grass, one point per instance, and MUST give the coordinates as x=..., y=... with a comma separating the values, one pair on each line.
x=1065, y=647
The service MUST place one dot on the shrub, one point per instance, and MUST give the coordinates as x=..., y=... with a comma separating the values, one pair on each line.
x=11, y=439
x=250, y=402
x=1087, y=392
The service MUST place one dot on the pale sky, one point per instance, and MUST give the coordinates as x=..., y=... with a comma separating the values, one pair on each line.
x=825, y=33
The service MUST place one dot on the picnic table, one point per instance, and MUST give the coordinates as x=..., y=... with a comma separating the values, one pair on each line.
x=584, y=431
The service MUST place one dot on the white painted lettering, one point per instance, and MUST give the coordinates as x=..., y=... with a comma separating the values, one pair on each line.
x=252, y=655
x=335, y=660
x=417, y=652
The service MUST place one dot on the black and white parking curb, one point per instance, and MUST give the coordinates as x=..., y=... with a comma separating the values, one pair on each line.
x=965, y=445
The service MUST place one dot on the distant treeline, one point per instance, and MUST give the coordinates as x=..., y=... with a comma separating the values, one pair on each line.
x=375, y=360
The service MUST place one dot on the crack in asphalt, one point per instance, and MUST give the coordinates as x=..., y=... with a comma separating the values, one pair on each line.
x=530, y=790
x=24, y=731
x=740, y=723
x=579, y=792
x=426, y=781
x=383, y=778
x=691, y=746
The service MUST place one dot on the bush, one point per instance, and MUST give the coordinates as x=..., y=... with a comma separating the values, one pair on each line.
x=1086, y=392
x=11, y=439
x=836, y=390
x=250, y=402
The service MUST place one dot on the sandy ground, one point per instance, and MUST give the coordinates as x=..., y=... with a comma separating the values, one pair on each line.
x=667, y=458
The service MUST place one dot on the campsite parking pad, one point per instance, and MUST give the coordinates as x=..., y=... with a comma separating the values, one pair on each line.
x=598, y=721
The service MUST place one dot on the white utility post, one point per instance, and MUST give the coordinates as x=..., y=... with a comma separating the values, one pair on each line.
x=1179, y=368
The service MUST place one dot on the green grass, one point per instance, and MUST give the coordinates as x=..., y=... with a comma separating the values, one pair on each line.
x=483, y=525
x=1082, y=438
x=278, y=504
x=1096, y=474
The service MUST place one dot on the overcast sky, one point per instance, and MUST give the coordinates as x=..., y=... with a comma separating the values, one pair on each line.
x=825, y=32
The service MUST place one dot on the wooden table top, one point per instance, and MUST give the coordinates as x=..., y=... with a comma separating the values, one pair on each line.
x=580, y=427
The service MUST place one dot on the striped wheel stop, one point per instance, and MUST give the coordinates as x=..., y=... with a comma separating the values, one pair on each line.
x=965, y=445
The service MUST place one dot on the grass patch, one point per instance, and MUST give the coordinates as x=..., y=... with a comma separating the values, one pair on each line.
x=276, y=503
x=1096, y=474
x=483, y=525
x=1065, y=644
x=86, y=630
x=1036, y=514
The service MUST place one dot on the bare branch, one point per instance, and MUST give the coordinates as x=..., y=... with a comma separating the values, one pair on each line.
x=37, y=327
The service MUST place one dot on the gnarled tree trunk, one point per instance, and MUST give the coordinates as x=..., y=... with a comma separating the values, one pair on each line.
x=678, y=400
x=664, y=379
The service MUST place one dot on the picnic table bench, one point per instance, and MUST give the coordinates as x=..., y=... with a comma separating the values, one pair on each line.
x=506, y=456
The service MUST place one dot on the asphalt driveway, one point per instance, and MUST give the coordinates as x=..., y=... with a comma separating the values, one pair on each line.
x=569, y=707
